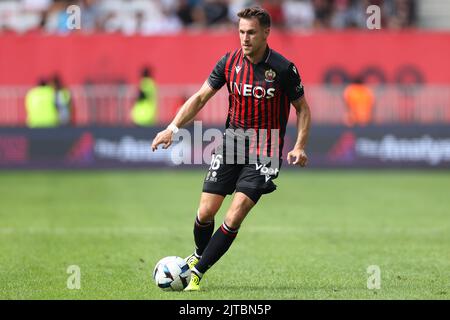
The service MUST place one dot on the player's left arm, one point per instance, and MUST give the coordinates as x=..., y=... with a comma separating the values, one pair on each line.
x=296, y=94
x=297, y=156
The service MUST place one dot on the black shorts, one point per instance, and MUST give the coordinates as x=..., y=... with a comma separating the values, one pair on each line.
x=253, y=180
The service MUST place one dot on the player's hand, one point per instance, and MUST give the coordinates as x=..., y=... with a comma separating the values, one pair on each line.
x=163, y=137
x=297, y=157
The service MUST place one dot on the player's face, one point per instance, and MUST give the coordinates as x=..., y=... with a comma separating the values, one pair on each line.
x=253, y=36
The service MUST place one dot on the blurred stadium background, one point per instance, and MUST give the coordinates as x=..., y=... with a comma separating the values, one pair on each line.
x=397, y=118
x=405, y=107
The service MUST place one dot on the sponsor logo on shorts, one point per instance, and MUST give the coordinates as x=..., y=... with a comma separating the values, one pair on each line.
x=265, y=171
x=211, y=176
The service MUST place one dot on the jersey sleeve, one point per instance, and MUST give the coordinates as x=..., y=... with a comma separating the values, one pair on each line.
x=217, y=77
x=294, y=87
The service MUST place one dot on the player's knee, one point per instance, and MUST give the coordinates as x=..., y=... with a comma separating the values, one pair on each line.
x=207, y=211
x=236, y=216
x=233, y=222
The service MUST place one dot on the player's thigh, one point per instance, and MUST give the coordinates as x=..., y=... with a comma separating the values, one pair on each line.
x=221, y=178
x=255, y=182
x=209, y=205
x=239, y=208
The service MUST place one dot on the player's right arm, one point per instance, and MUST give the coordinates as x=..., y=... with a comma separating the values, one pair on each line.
x=186, y=113
x=194, y=104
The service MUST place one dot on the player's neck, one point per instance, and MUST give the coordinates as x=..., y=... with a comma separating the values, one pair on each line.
x=258, y=56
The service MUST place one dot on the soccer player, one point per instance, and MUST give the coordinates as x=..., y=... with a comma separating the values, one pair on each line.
x=262, y=85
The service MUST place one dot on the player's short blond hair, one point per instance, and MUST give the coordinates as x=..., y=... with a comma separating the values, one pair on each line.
x=256, y=12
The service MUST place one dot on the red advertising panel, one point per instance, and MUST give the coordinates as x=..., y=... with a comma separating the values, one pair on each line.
x=188, y=58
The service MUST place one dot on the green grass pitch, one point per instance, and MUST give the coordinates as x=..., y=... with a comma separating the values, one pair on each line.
x=313, y=238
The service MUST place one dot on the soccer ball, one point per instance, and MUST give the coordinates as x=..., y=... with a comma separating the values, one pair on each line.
x=172, y=274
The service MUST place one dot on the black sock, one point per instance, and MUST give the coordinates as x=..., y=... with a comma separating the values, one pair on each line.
x=202, y=234
x=217, y=246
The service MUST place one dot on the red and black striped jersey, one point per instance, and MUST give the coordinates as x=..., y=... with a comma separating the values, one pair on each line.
x=259, y=94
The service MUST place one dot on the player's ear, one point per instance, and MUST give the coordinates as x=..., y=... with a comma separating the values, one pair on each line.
x=266, y=32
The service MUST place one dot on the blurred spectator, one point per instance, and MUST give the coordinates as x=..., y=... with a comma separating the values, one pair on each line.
x=167, y=22
x=359, y=100
x=216, y=11
x=275, y=9
x=90, y=14
x=349, y=14
x=40, y=106
x=298, y=14
x=167, y=16
x=234, y=7
x=57, y=17
x=144, y=111
x=63, y=101
x=185, y=12
x=402, y=13
x=323, y=10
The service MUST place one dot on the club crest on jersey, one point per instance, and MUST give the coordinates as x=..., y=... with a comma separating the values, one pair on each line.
x=270, y=75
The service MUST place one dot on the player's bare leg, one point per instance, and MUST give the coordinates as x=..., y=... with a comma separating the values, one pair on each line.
x=222, y=238
x=209, y=205
x=240, y=207
x=204, y=224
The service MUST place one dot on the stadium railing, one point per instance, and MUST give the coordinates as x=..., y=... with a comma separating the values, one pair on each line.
x=110, y=105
